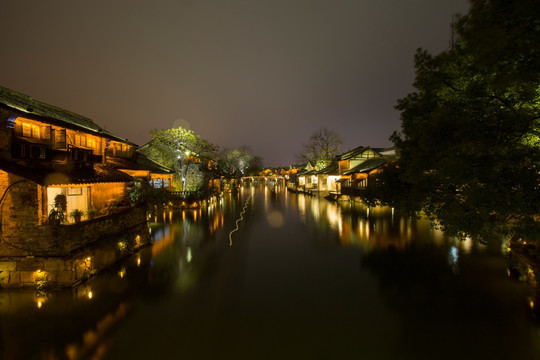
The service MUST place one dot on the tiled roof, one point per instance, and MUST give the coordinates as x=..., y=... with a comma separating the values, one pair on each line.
x=32, y=108
x=352, y=153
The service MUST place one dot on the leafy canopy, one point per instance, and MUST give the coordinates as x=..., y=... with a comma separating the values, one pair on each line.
x=177, y=146
x=470, y=132
x=239, y=162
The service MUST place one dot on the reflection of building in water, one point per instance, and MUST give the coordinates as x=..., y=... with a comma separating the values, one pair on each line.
x=163, y=238
x=374, y=228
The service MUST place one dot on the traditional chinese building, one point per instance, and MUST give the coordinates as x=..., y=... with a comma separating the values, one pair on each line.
x=46, y=154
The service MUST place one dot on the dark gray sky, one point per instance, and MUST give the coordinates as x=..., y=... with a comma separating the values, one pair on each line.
x=266, y=74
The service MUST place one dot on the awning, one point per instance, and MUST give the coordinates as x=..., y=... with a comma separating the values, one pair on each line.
x=65, y=174
x=344, y=178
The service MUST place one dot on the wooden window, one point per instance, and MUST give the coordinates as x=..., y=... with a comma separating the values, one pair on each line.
x=80, y=140
x=91, y=143
x=36, y=132
x=26, y=130
x=31, y=131
x=60, y=138
x=46, y=132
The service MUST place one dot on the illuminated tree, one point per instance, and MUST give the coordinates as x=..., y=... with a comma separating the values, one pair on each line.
x=239, y=162
x=183, y=151
x=322, y=148
x=470, y=132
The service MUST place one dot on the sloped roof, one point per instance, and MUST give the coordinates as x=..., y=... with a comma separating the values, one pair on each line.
x=32, y=108
x=307, y=169
x=65, y=174
x=366, y=166
x=352, y=153
x=389, y=151
x=306, y=172
x=141, y=162
x=332, y=169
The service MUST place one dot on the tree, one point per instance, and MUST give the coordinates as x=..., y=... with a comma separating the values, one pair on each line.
x=239, y=162
x=322, y=148
x=145, y=195
x=183, y=151
x=470, y=145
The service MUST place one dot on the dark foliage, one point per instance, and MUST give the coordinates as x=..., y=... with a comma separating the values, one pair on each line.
x=470, y=145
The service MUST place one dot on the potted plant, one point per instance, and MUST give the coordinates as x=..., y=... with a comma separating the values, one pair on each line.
x=92, y=213
x=56, y=216
x=57, y=213
x=112, y=207
x=76, y=214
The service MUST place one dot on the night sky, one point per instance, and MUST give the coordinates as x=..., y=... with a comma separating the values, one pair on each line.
x=265, y=74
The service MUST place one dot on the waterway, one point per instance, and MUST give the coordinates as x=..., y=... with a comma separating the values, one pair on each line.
x=301, y=278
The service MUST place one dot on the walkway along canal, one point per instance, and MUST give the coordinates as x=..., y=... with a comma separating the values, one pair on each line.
x=301, y=278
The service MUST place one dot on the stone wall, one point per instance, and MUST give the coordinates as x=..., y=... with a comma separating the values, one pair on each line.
x=33, y=254
x=61, y=240
x=44, y=272
x=22, y=235
x=19, y=215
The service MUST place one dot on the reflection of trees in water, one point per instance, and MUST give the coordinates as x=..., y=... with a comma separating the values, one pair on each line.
x=476, y=312
x=184, y=243
x=413, y=276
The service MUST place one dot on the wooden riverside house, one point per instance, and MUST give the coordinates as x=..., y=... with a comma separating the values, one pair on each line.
x=45, y=152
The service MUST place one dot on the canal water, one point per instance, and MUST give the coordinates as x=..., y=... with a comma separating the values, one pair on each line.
x=300, y=278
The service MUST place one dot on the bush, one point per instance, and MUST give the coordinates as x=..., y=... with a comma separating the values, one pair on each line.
x=143, y=194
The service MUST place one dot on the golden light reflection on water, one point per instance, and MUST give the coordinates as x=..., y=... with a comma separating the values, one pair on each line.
x=379, y=227
x=92, y=344
x=163, y=238
x=122, y=272
x=40, y=300
x=275, y=219
x=358, y=225
x=83, y=292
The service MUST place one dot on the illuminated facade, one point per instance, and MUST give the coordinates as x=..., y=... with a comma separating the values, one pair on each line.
x=48, y=153
x=357, y=167
x=304, y=178
x=349, y=173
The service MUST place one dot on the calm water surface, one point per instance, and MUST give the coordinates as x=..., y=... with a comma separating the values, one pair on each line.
x=302, y=278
